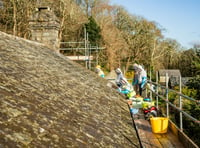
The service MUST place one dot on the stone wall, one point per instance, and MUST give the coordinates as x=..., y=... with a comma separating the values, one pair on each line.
x=45, y=27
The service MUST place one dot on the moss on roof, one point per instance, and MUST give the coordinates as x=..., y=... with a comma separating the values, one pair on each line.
x=46, y=100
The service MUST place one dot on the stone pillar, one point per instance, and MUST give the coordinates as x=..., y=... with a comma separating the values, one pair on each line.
x=44, y=27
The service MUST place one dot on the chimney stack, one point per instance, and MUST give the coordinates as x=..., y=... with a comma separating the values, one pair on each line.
x=44, y=27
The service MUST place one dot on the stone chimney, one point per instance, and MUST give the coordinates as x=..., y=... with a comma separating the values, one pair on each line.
x=44, y=27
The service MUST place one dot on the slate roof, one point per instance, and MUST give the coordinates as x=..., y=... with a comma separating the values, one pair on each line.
x=173, y=74
x=46, y=100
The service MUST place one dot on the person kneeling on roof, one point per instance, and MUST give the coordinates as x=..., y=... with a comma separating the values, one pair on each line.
x=99, y=71
x=122, y=83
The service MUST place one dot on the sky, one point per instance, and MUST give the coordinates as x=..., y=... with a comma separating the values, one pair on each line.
x=179, y=18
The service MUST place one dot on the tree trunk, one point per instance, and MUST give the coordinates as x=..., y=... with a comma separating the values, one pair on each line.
x=14, y=18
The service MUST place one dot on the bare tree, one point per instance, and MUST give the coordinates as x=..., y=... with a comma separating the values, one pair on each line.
x=112, y=38
x=15, y=16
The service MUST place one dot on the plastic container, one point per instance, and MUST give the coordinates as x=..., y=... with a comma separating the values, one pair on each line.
x=147, y=99
x=159, y=124
x=147, y=104
x=137, y=104
x=134, y=110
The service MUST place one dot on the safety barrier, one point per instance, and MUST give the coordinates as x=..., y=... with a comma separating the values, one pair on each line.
x=165, y=97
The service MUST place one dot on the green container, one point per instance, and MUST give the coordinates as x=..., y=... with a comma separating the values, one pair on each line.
x=148, y=104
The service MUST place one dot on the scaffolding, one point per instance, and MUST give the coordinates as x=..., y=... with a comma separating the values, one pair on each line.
x=85, y=48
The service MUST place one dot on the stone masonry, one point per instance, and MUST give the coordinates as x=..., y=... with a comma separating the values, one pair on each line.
x=44, y=27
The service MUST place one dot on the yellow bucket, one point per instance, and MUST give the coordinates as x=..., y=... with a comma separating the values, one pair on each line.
x=159, y=124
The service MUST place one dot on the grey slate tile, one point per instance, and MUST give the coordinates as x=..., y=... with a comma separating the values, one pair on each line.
x=46, y=100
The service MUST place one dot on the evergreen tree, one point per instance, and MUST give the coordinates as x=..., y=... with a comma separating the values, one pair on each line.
x=195, y=84
x=93, y=31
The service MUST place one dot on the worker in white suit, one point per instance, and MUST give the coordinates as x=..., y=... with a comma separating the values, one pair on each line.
x=140, y=77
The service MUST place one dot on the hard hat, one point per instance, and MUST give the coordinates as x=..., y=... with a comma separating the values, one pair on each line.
x=98, y=66
x=118, y=71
